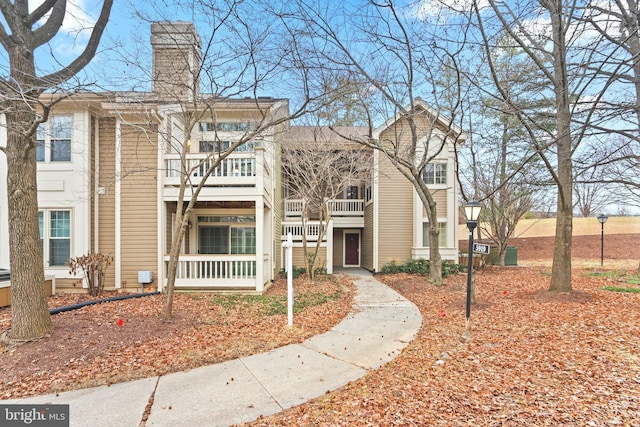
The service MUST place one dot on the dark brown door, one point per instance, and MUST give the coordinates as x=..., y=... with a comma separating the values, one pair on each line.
x=351, y=248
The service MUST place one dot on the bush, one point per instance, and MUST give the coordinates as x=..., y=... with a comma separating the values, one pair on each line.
x=94, y=266
x=297, y=272
x=419, y=266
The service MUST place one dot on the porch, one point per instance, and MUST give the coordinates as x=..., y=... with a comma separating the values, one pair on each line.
x=221, y=272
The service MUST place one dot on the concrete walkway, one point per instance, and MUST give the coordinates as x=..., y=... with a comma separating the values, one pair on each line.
x=379, y=326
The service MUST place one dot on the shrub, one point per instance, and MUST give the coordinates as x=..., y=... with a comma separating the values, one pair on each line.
x=297, y=271
x=419, y=266
x=94, y=266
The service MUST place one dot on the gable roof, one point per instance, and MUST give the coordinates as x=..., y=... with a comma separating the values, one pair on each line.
x=419, y=104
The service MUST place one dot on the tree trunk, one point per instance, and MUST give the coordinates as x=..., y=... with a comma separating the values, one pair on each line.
x=561, y=270
x=174, y=257
x=435, y=260
x=30, y=317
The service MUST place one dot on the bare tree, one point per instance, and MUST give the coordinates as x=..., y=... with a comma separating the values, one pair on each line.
x=22, y=32
x=590, y=198
x=318, y=167
x=613, y=158
x=503, y=164
x=392, y=61
x=206, y=77
x=560, y=52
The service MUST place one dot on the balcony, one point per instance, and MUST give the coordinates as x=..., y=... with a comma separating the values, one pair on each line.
x=312, y=231
x=239, y=169
x=240, y=174
x=213, y=272
x=344, y=212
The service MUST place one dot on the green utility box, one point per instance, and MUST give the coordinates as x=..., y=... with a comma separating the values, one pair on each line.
x=511, y=256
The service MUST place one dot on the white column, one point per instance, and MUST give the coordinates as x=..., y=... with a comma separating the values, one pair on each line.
x=118, y=204
x=161, y=207
x=329, y=247
x=97, y=192
x=260, y=232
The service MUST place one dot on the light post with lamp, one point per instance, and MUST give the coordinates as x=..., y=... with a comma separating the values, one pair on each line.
x=472, y=211
x=602, y=218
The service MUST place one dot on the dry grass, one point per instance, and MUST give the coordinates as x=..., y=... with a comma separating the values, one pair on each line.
x=581, y=227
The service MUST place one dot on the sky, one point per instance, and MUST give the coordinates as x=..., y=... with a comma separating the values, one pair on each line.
x=130, y=34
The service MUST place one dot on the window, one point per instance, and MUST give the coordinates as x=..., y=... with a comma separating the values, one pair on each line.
x=54, y=140
x=368, y=193
x=219, y=146
x=352, y=192
x=214, y=240
x=435, y=173
x=213, y=146
x=243, y=240
x=227, y=126
x=229, y=235
x=55, y=236
x=442, y=237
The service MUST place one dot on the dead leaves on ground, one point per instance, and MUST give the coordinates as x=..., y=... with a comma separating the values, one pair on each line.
x=123, y=340
x=532, y=358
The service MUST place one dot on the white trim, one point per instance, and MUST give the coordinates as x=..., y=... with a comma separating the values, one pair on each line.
x=161, y=205
x=376, y=208
x=259, y=227
x=118, y=205
x=96, y=187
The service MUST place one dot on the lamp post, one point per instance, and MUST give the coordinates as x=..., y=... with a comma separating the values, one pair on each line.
x=472, y=211
x=602, y=218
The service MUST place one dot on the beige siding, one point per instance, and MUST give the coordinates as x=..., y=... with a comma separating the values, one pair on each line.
x=440, y=196
x=106, y=201
x=138, y=216
x=395, y=214
x=298, y=257
x=366, y=243
x=338, y=247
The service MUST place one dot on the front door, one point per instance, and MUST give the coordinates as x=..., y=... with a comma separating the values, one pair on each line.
x=352, y=249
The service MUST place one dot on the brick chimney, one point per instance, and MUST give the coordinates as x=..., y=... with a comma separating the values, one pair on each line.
x=176, y=60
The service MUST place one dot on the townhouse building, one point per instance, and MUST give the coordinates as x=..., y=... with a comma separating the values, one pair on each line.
x=110, y=167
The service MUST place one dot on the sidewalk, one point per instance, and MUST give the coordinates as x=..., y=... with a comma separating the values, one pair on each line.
x=380, y=325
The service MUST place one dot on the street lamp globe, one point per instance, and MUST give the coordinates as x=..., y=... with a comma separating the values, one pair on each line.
x=472, y=211
x=602, y=218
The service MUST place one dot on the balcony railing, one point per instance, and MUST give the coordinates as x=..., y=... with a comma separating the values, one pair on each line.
x=346, y=207
x=296, y=230
x=238, y=169
x=216, y=271
x=337, y=208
